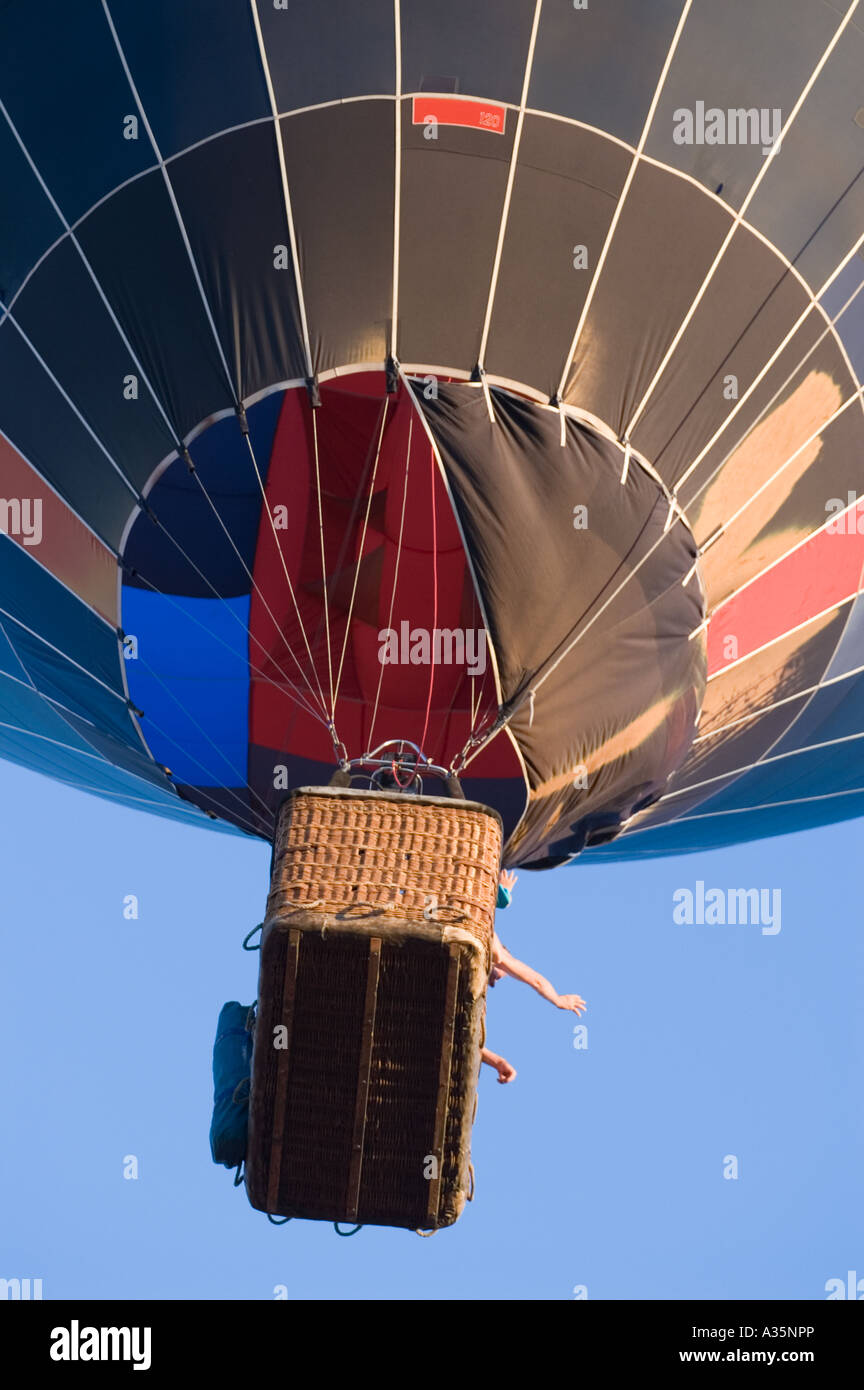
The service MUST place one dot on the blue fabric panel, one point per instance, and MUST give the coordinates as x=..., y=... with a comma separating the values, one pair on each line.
x=22, y=706
x=71, y=119
x=45, y=429
x=807, y=774
x=806, y=780
x=9, y=661
x=63, y=316
x=843, y=288
x=136, y=761
x=834, y=712
x=221, y=457
x=850, y=650
x=30, y=226
x=328, y=52
x=56, y=678
x=235, y=803
x=179, y=55
x=36, y=736
x=156, y=299
x=32, y=596
x=191, y=679
x=850, y=330
x=715, y=832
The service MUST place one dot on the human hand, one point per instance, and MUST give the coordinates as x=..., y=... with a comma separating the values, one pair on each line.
x=505, y=1071
x=573, y=1002
x=507, y=879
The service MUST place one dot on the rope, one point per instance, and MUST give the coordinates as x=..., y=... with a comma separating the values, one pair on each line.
x=361, y=547
x=285, y=567
x=249, y=936
x=395, y=576
x=340, y=907
x=434, y=594
x=196, y=475
x=336, y=1225
x=257, y=669
x=236, y=773
x=323, y=562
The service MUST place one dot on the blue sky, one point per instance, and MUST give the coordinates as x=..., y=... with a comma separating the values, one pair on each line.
x=601, y=1167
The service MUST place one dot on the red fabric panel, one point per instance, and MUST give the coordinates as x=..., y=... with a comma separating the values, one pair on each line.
x=66, y=547
x=430, y=588
x=817, y=576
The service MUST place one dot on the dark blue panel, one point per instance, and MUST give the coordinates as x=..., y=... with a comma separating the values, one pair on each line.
x=225, y=469
x=804, y=781
x=484, y=48
x=715, y=832
x=38, y=736
x=323, y=52
x=35, y=598
x=196, y=66
x=49, y=434
x=66, y=92
x=834, y=712
x=29, y=223
x=64, y=317
x=843, y=288
x=72, y=688
x=23, y=707
x=850, y=329
x=601, y=65
x=8, y=660
x=79, y=770
x=191, y=679
x=135, y=761
x=235, y=804
x=135, y=245
x=801, y=775
x=232, y=234
x=849, y=286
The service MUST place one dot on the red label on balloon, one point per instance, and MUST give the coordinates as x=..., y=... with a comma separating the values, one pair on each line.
x=477, y=115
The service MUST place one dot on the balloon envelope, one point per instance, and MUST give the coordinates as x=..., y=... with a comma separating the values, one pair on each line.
x=482, y=375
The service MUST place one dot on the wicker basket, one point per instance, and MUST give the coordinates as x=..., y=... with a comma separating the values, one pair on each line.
x=374, y=962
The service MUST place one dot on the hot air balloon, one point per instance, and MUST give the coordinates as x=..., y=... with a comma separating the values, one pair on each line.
x=459, y=391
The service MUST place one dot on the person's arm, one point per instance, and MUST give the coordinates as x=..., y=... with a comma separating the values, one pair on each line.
x=518, y=970
x=505, y=1071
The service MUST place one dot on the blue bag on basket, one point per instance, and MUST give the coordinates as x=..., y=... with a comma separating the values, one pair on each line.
x=232, y=1073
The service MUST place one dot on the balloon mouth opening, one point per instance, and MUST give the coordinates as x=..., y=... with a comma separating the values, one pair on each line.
x=349, y=601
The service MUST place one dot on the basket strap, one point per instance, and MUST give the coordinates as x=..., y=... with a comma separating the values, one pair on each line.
x=248, y=937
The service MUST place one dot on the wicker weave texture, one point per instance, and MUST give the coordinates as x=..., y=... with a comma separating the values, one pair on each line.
x=302, y=1165
x=413, y=857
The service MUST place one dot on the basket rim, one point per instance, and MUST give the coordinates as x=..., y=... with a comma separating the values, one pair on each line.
x=361, y=793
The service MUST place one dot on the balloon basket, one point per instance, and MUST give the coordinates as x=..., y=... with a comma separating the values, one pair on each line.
x=375, y=958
